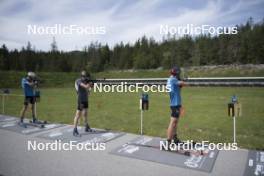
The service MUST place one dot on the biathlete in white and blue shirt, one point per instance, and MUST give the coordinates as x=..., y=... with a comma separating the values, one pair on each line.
x=174, y=85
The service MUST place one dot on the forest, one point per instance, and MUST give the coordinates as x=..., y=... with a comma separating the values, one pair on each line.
x=245, y=47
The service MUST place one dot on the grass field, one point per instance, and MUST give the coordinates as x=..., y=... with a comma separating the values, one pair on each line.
x=205, y=112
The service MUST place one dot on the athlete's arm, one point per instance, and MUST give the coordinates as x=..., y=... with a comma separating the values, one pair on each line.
x=179, y=83
x=182, y=83
x=86, y=86
x=31, y=84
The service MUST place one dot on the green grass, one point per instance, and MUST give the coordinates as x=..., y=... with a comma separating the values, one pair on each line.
x=205, y=112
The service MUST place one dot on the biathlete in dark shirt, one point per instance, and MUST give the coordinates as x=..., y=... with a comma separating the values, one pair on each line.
x=82, y=86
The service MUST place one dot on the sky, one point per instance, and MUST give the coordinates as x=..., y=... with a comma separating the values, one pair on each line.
x=116, y=20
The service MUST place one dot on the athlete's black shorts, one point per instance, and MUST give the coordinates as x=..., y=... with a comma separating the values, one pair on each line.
x=30, y=100
x=175, y=111
x=82, y=105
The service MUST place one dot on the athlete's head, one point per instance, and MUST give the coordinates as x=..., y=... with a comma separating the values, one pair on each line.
x=84, y=75
x=31, y=75
x=175, y=71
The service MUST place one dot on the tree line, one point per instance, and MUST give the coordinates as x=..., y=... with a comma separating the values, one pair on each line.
x=247, y=46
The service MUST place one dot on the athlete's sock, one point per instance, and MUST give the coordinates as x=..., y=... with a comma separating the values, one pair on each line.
x=169, y=141
x=34, y=119
x=175, y=137
x=85, y=121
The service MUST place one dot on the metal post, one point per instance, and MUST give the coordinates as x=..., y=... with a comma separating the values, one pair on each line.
x=3, y=103
x=234, y=118
x=141, y=123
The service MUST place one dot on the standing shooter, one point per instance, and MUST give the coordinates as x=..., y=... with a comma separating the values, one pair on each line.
x=82, y=86
x=174, y=84
x=28, y=84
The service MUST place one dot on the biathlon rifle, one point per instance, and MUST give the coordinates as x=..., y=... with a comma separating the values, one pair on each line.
x=92, y=81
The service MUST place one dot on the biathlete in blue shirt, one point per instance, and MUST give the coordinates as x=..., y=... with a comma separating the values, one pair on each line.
x=28, y=85
x=174, y=84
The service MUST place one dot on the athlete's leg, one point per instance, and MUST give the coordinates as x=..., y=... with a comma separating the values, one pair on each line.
x=172, y=128
x=177, y=114
x=33, y=109
x=76, y=118
x=86, y=124
x=23, y=111
x=85, y=116
x=171, y=131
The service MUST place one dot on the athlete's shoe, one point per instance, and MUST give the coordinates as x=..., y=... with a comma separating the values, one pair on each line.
x=176, y=140
x=36, y=121
x=87, y=128
x=75, y=132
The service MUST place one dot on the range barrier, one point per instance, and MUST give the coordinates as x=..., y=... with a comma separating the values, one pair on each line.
x=214, y=81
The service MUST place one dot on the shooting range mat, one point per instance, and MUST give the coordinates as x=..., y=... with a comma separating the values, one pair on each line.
x=255, y=163
x=65, y=135
x=198, y=162
x=15, y=127
x=5, y=118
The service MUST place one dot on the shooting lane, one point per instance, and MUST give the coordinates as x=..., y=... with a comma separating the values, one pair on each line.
x=96, y=136
x=29, y=128
x=148, y=148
